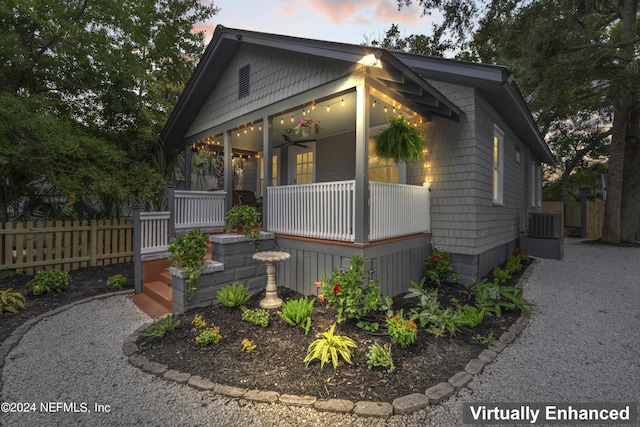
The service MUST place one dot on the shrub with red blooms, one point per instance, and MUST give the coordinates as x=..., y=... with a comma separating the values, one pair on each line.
x=438, y=268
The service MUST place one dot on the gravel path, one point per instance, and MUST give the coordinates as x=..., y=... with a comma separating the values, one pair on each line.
x=588, y=301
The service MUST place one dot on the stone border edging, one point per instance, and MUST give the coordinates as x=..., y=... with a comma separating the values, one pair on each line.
x=400, y=406
x=12, y=340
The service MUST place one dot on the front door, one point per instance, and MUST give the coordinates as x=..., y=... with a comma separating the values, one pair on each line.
x=302, y=162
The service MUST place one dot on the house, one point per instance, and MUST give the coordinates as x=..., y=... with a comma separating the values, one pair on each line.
x=327, y=196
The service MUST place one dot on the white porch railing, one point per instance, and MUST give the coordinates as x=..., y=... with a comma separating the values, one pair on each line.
x=199, y=209
x=154, y=231
x=322, y=210
x=397, y=210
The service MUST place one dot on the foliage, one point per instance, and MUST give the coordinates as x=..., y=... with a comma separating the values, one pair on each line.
x=500, y=275
x=187, y=253
x=329, y=346
x=307, y=126
x=233, y=295
x=485, y=340
x=257, y=316
x=47, y=282
x=403, y=331
x=162, y=327
x=117, y=281
x=244, y=219
x=86, y=88
x=199, y=322
x=470, y=316
x=434, y=319
x=493, y=299
x=298, y=312
x=368, y=326
x=380, y=356
x=11, y=301
x=210, y=335
x=352, y=298
x=400, y=141
x=248, y=346
x=438, y=268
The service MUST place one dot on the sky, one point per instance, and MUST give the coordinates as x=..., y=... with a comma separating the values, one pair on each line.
x=330, y=20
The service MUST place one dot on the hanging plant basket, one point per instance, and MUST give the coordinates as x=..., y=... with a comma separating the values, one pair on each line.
x=400, y=141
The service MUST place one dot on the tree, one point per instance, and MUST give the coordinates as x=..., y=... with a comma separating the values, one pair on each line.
x=573, y=59
x=85, y=87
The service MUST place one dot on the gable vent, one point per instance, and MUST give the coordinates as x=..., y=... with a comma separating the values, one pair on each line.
x=244, y=82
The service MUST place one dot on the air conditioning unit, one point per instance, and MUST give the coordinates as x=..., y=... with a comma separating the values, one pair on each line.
x=545, y=225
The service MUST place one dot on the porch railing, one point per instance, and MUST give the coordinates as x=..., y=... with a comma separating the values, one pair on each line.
x=199, y=209
x=397, y=210
x=321, y=210
x=154, y=232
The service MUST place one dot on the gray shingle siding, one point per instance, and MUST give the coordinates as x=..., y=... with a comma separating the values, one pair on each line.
x=275, y=75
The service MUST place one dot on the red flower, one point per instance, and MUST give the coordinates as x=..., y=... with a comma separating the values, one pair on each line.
x=519, y=266
x=431, y=259
x=318, y=284
x=321, y=298
x=336, y=289
x=438, y=257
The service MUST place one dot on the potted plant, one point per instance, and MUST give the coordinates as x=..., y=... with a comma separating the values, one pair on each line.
x=187, y=253
x=243, y=219
x=307, y=127
x=400, y=141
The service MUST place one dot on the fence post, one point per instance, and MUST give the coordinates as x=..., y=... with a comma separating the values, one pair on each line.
x=583, y=213
x=137, y=251
x=171, y=199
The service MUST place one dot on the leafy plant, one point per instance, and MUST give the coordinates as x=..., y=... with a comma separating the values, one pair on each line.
x=248, y=345
x=400, y=141
x=345, y=290
x=329, y=346
x=47, y=282
x=117, y=281
x=485, y=340
x=493, y=299
x=199, y=322
x=257, y=316
x=435, y=320
x=298, y=312
x=210, y=335
x=368, y=326
x=187, y=253
x=470, y=315
x=403, y=331
x=11, y=301
x=500, y=275
x=380, y=356
x=438, y=268
x=233, y=295
x=162, y=327
x=244, y=219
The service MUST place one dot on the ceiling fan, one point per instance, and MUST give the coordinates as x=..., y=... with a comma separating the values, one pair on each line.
x=288, y=141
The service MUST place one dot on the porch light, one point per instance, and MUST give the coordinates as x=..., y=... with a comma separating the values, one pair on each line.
x=370, y=60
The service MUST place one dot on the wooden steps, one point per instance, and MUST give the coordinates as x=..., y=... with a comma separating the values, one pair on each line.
x=156, y=299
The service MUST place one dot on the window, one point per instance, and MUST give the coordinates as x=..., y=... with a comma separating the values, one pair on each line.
x=244, y=83
x=498, y=165
x=381, y=170
x=274, y=172
x=536, y=185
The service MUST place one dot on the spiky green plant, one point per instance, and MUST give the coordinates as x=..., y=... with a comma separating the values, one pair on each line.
x=329, y=346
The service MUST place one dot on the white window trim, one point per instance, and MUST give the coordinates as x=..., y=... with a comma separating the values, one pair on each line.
x=497, y=171
x=536, y=185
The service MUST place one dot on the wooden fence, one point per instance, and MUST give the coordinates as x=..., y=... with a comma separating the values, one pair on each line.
x=571, y=213
x=44, y=245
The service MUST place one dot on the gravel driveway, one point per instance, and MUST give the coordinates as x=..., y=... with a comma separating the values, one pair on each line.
x=582, y=345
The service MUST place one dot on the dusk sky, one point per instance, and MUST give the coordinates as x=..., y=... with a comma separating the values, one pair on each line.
x=332, y=20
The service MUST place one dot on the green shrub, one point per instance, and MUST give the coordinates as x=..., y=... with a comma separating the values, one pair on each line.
x=187, y=253
x=493, y=299
x=11, y=301
x=162, y=327
x=379, y=356
x=298, y=312
x=500, y=275
x=438, y=268
x=435, y=320
x=470, y=315
x=117, y=281
x=329, y=346
x=403, y=331
x=47, y=282
x=257, y=316
x=210, y=335
x=233, y=295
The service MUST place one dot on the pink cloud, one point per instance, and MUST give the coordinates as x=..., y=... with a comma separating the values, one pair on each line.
x=361, y=11
x=388, y=11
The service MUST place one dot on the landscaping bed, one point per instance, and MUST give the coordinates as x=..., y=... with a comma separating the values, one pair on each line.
x=277, y=362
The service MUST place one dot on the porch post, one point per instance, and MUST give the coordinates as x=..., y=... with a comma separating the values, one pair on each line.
x=228, y=169
x=361, y=206
x=137, y=249
x=267, y=168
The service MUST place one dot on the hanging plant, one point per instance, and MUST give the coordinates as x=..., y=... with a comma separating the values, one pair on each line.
x=400, y=141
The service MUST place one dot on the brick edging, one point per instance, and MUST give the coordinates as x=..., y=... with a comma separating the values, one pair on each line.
x=400, y=406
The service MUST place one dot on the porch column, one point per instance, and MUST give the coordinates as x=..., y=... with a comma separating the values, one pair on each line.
x=228, y=169
x=361, y=206
x=267, y=168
